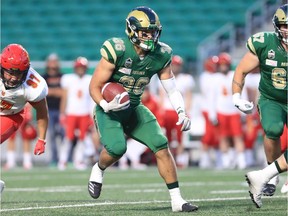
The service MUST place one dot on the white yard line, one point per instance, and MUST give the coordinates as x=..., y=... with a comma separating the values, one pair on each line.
x=130, y=203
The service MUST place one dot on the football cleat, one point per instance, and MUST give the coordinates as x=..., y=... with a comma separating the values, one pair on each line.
x=94, y=189
x=270, y=188
x=186, y=207
x=95, y=182
x=284, y=188
x=2, y=186
x=256, y=184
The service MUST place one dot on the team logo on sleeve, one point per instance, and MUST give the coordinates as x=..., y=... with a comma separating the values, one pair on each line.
x=128, y=63
x=271, y=54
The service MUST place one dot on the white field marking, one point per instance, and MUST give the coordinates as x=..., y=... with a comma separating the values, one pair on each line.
x=48, y=189
x=132, y=203
x=228, y=191
x=122, y=186
x=146, y=191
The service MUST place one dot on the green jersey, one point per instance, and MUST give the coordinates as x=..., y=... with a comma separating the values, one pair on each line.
x=273, y=65
x=133, y=72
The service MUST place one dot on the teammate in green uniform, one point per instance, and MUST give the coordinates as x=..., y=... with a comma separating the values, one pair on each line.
x=259, y=178
x=132, y=62
x=268, y=51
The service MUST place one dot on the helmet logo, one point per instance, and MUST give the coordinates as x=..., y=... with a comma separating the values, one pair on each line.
x=133, y=27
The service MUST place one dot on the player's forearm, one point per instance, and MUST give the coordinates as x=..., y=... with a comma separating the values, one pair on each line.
x=95, y=93
x=42, y=119
x=248, y=63
x=238, y=82
x=42, y=124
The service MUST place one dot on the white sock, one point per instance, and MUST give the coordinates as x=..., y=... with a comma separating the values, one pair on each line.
x=176, y=195
x=27, y=159
x=205, y=161
x=11, y=161
x=241, y=162
x=96, y=174
x=270, y=171
x=249, y=157
x=218, y=159
x=78, y=156
x=64, y=150
x=226, y=162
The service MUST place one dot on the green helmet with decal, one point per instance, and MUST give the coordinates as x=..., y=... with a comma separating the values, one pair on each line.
x=146, y=20
x=281, y=18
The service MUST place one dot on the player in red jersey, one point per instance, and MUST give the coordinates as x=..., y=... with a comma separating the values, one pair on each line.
x=21, y=84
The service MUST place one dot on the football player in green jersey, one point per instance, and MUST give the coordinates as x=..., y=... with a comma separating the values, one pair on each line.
x=269, y=52
x=132, y=61
x=259, y=178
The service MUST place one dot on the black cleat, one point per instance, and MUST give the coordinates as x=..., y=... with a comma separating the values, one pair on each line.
x=269, y=190
x=94, y=189
x=188, y=207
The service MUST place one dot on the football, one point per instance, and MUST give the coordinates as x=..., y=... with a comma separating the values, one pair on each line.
x=111, y=89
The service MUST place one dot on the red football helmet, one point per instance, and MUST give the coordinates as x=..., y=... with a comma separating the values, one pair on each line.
x=29, y=132
x=210, y=64
x=224, y=58
x=14, y=60
x=81, y=62
x=177, y=60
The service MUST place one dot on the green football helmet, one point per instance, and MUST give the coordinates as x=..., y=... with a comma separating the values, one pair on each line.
x=281, y=18
x=146, y=20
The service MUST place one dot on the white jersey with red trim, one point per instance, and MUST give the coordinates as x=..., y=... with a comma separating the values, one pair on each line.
x=206, y=83
x=223, y=94
x=184, y=83
x=78, y=96
x=33, y=89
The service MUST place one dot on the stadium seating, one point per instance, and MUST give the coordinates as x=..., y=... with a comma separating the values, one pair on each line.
x=79, y=27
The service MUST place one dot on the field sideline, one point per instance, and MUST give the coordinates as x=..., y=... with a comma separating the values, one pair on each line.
x=44, y=191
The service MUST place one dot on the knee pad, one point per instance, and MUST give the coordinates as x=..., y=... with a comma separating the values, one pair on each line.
x=117, y=149
x=274, y=130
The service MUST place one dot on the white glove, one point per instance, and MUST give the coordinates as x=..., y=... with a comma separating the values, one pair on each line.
x=184, y=120
x=243, y=105
x=115, y=104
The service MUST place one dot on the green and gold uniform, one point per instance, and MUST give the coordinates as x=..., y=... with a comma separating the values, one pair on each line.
x=272, y=104
x=134, y=74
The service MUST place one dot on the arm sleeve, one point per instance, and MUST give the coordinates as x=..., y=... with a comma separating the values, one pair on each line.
x=174, y=95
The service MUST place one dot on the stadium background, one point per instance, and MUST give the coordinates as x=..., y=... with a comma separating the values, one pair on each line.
x=71, y=28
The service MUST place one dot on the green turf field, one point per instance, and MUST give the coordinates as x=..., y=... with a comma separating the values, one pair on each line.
x=44, y=191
